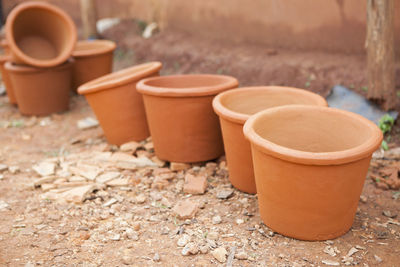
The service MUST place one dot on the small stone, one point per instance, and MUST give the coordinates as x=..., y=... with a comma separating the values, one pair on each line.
x=13, y=169
x=195, y=185
x=136, y=226
x=216, y=219
x=204, y=249
x=378, y=259
x=176, y=166
x=29, y=264
x=44, y=180
x=115, y=237
x=118, y=182
x=212, y=235
x=363, y=199
x=190, y=249
x=127, y=260
x=159, y=162
x=239, y=221
x=224, y=194
x=183, y=240
x=132, y=234
x=4, y=205
x=47, y=187
x=220, y=254
x=44, y=168
x=352, y=251
x=130, y=146
x=140, y=198
x=108, y=176
x=1, y=176
x=330, y=263
x=185, y=209
x=241, y=255
x=389, y=214
x=110, y=202
x=330, y=251
x=3, y=167
x=156, y=257
x=87, y=123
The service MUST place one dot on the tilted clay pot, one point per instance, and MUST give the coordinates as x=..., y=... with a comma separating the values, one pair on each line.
x=117, y=105
x=40, y=34
x=182, y=123
x=310, y=164
x=234, y=107
x=41, y=91
x=6, y=79
x=93, y=59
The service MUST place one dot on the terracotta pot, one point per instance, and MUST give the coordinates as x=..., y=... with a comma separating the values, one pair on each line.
x=40, y=34
x=234, y=107
x=117, y=105
x=41, y=91
x=182, y=123
x=310, y=165
x=6, y=79
x=93, y=59
x=6, y=48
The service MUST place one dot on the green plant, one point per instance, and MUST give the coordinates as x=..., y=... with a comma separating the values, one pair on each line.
x=384, y=145
x=386, y=123
x=364, y=88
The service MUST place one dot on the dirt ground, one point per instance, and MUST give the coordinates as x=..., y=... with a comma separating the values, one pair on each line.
x=36, y=231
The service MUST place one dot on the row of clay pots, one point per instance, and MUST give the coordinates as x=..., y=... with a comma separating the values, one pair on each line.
x=40, y=72
x=306, y=162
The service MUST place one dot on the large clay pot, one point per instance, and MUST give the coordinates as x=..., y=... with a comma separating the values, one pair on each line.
x=41, y=91
x=40, y=34
x=310, y=165
x=117, y=105
x=93, y=59
x=6, y=79
x=182, y=123
x=234, y=107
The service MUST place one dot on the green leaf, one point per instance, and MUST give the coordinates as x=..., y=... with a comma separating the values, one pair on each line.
x=386, y=123
x=384, y=145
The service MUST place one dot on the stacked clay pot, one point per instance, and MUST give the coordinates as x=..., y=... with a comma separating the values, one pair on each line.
x=4, y=57
x=41, y=38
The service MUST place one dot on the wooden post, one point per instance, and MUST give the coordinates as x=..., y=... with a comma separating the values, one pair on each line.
x=380, y=50
x=89, y=18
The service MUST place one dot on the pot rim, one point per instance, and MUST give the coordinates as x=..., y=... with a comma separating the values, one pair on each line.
x=313, y=158
x=241, y=118
x=227, y=82
x=17, y=68
x=50, y=8
x=121, y=77
x=98, y=47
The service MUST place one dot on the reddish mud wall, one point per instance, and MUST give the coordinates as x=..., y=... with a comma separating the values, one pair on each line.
x=328, y=25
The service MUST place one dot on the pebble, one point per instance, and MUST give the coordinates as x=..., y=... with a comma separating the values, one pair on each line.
x=185, y=209
x=130, y=146
x=389, y=214
x=363, y=199
x=1, y=176
x=183, y=240
x=141, y=198
x=377, y=258
x=3, y=167
x=190, y=249
x=44, y=168
x=87, y=123
x=110, y=202
x=115, y=237
x=4, y=205
x=216, y=219
x=241, y=255
x=352, y=251
x=195, y=185
x=220, y=254
x=136, y=226
x=224, y=194
x=132, y=234
x=176, y=166
x=156, y=257
x=13, y=169
x=330, y=263
x=239, y=221
x=203, y=249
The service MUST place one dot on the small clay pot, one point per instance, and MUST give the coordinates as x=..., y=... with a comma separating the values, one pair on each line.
x=117, y=105
x=182, y=123
x=6, y=79
x=234, y=107
x=40, y=34
x=93, y=59
x=41, y=91
x=310, y=165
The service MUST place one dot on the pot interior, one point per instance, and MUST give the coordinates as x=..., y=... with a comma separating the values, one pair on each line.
x=312, y=130
x=40, y=33
x=186, y=81
x=252, y=101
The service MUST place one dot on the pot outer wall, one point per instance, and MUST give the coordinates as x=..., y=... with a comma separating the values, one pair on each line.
x=87, y=68
x=308, y=202
x=184, y=129
x=7, y=81
x=121, y=113
x=42, y=92
x=238, y=156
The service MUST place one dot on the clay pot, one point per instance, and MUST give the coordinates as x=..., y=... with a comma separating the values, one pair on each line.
x=40, y=34
x=6, y=48
x=310, y=165
x=234, y=107
x=182, y=123
x=41, y=91
x=6, y=79
x=93, y=59
x=117, y=105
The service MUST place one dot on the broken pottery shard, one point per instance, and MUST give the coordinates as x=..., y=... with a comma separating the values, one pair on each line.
x=177, y=166
x=130, y=162
x=130, y=146
x=88, y=171
x=4, y=205
x=185, y=209
x=78, y=194
x=118, y=182
x=87, y=123
x=44, y=168
x=108, y=176
x=330, y=263
x=44, y=180
x=224, y=193
x=220, y=254
x=195, y=185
